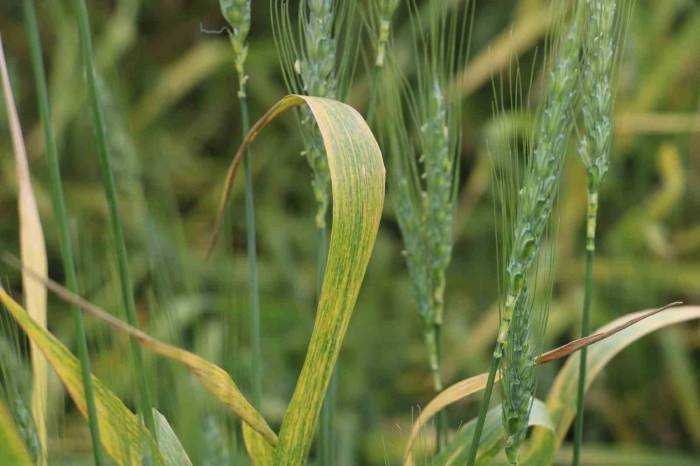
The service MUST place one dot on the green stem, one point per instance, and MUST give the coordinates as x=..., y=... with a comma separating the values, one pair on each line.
x=592, y=213
x=484, y=408
x=111, y=195
x=373, y=94
x=326, y=439
x=251, y=244
x=432, y=343
x=59, y=207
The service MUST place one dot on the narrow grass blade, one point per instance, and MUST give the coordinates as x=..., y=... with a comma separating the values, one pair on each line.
x=357, y=181
x=12, y=450
x=59, y=207
x=113, y=207
x=170, y=447
x=123, y=435
x=33, y=253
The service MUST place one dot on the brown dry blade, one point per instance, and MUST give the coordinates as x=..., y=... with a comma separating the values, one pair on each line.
x=573, y=346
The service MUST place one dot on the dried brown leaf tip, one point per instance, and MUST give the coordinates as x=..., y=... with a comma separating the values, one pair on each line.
x=573, y=346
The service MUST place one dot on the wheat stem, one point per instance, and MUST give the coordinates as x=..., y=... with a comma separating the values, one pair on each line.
x=112, y=204
x=59, y=206
x=251, y=246
x=385, y=10
x=534, y=201
x=585, y=322
x=594, y=149
x=483, y=409
x=238, y=14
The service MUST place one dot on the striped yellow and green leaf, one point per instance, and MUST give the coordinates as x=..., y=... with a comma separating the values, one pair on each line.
x=357, y=188
x=123, y=436
x=12, y=450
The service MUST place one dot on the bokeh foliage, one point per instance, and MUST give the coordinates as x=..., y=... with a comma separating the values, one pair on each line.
x=169, y=90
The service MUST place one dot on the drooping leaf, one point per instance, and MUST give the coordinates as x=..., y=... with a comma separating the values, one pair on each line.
x=613, y=331
x=211, y=376
x=357, y=181
x=561, y=401
x=12, y=450
x=33, y=252
x=123, y=435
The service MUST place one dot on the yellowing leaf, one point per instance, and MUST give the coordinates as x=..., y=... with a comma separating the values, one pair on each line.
x=123, y=435
x=12, y=450
x=260, y=452
x=357, y=182
x=211, y=376
x=33, y=251
x=451, y=394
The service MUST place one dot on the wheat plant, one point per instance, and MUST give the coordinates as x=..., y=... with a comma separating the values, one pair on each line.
x=422, y=130
x=238, y=13
x=318, y=60
x=602, y=30
x=381, y=13
x=59, y=206
x=418, y=108
x=110, y=190
x=535, y=198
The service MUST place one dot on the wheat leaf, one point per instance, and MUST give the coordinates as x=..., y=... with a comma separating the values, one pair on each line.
x=123, y=435
x=451, y=394
x=561, y=401
x=170, y=447
x=12, y=450
x=629, y=328
x=357, y=185
x=211, y=376
x=33, y=252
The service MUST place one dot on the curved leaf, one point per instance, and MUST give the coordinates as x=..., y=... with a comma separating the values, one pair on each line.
x=618, y=333
x=357, y=181
x=123, y=435
x=211, y=376
x=561, y=401
x=12, y=450
x=492, y=438
x=451, y=394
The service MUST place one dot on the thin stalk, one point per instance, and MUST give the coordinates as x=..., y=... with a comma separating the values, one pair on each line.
x=111, y=195
x=373, y=94
x=59, y=207
x=592, y=212
x=484, y=408
x=385, y=11
x=433, y=345
x=251, y=244
x=326, y=440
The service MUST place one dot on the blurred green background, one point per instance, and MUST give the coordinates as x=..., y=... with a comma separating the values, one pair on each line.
x=169, y=90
